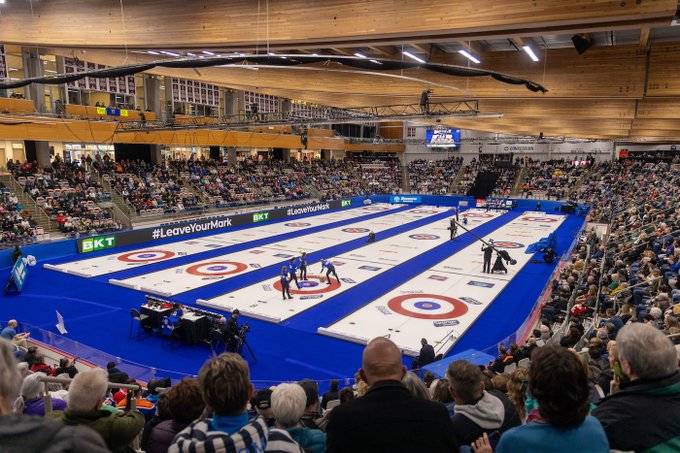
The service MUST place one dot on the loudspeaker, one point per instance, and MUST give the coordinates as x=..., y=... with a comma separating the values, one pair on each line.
x=581, y=43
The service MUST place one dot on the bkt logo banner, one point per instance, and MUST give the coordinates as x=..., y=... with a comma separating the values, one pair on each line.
x=101, y=243
x=405, y=199
x=260, y=217
x=346, y=203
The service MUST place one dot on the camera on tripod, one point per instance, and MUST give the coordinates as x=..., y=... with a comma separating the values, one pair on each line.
x=245, y=328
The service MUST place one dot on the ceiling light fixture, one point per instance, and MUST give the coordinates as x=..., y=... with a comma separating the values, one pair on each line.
x=360, y=55
x=153, y=52
x=207, y=52
x=172, y=54
x=375, y=61
x=271, y=53
x=530, y=52
x=413, y=57
x=469, y=56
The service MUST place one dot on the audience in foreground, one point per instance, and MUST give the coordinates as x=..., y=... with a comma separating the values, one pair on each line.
x=558, y=380
x=226, y=388
x=388, y=418
x=24, y=434
x=86, y=394
x=643, y=413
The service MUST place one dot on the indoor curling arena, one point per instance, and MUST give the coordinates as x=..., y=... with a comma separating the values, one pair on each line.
x=412, y=281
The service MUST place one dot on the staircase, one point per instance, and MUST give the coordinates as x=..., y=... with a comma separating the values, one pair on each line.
x=405, y=183
x=517, y=187
x=121, y=210
x=575, y=188
x=29, y=204
x=455, y=188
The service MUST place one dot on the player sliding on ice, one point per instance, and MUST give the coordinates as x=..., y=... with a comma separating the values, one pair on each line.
x=330, y=269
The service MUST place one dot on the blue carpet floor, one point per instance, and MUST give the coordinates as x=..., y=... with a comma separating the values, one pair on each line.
x=97, y=314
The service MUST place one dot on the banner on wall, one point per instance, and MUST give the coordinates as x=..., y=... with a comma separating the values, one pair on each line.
x=184, y=228
x=3, y=63
x=405, y=199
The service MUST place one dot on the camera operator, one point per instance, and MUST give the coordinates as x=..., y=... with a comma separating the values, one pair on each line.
x=230, y=332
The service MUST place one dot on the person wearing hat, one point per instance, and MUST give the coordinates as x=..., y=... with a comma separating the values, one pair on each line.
x=232, y=334
x=262, y=403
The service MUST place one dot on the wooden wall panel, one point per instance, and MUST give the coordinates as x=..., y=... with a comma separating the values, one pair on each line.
x=668, y=108
x=235, y=24
x=664, y=70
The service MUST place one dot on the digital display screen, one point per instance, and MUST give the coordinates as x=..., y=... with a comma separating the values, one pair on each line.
x=442, y=138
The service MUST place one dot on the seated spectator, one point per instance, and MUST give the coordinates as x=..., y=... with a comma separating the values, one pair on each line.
x=643, y=414
x=115, y=375
x=40, y=366
x=442, y=395
x=425, y=357
x=185, y=403
x=10, y=333
x=226, y=389
x=31, y=401
x=559, y=382
x=66, y=366
x=478, y=411
x=288, y=405
x=388, y=417
x=23, y=434
x=331, y=394
x=162, y=414
x=85, y=397
x=517, y=391
x=261, y=402
x=415, y=386
x=312, y=417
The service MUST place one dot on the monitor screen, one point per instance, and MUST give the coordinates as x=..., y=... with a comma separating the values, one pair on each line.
x=442, y=138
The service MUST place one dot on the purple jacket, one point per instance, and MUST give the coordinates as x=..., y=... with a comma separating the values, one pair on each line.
x=36, y=406
x=162, y=434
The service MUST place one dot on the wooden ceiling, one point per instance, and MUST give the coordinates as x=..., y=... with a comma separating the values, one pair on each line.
x=625, y=87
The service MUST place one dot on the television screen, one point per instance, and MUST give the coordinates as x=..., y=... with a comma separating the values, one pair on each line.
x=442, y=138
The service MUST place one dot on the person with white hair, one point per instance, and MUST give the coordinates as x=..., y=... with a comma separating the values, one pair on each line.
x=644, y=415
x=288, y=405
x=85, y=397
x=30, y=401
x=23, y=434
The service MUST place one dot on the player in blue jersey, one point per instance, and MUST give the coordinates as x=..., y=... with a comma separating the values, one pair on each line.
x=303, y=266
x=285, y=283
x=292, y=270
x=330, y=269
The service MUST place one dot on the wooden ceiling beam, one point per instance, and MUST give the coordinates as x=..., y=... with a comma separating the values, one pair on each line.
x=332, y=23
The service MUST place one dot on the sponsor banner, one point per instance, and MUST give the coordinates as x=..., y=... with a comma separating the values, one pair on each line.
x=198, y=226
x=447, y=323
x=480, y=284
x=405, y=199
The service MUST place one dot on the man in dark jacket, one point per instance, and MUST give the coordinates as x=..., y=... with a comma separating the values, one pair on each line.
x=388, y=417
x=426, y=355
x=644, y=414
x=115, y=375
x=477, y=411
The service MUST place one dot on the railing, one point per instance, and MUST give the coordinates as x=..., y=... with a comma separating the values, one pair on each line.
x=47, y=398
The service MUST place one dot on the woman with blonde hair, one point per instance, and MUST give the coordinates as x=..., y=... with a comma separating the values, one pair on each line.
x=517, y=391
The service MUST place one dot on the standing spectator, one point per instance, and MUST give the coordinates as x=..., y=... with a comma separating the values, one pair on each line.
x=86, y=394
x=478, y=411
x=645, y=413
x=388, y=417
x=226, y=389
x=559, y=382
x=186, y=405
x=288, y=404
x=21, y=434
